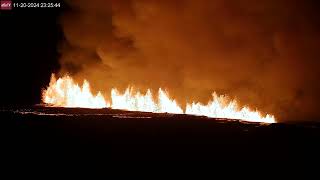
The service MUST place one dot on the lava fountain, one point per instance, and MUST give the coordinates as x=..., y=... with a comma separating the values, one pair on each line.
x=64, y=92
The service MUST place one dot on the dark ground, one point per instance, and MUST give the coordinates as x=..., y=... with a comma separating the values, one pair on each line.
x=55, y=134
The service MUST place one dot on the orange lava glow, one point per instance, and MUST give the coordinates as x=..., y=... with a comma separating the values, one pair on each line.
x=64, y=92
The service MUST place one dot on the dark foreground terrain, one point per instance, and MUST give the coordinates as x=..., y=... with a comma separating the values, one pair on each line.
x=70, y=134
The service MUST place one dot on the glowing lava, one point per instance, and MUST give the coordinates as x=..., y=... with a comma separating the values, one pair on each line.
x=138, y=102
x=64, y=92
x=219, y=107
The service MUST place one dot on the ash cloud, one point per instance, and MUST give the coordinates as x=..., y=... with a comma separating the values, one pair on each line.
x=264, y=53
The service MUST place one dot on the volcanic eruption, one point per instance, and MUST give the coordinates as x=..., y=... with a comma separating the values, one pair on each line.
x=167, y=80
x=239, y=59
x=64, y=92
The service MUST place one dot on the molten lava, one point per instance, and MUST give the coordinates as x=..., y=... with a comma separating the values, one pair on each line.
x=138, y=102
x=64, y=92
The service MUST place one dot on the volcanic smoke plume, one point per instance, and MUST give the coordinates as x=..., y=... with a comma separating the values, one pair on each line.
x=263, y=53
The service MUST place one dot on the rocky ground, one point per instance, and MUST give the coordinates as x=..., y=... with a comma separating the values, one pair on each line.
x=51, y=134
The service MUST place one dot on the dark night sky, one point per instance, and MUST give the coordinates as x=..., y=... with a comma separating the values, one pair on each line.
x=32, y=47
x=286, y=48
x=29, y=53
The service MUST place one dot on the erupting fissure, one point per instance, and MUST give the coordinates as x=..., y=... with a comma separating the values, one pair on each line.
x=64, y=92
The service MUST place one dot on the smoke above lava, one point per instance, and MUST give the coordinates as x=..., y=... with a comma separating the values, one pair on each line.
x=263, y=53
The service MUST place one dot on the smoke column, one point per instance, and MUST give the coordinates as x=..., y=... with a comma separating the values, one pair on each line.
x=263, y=53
